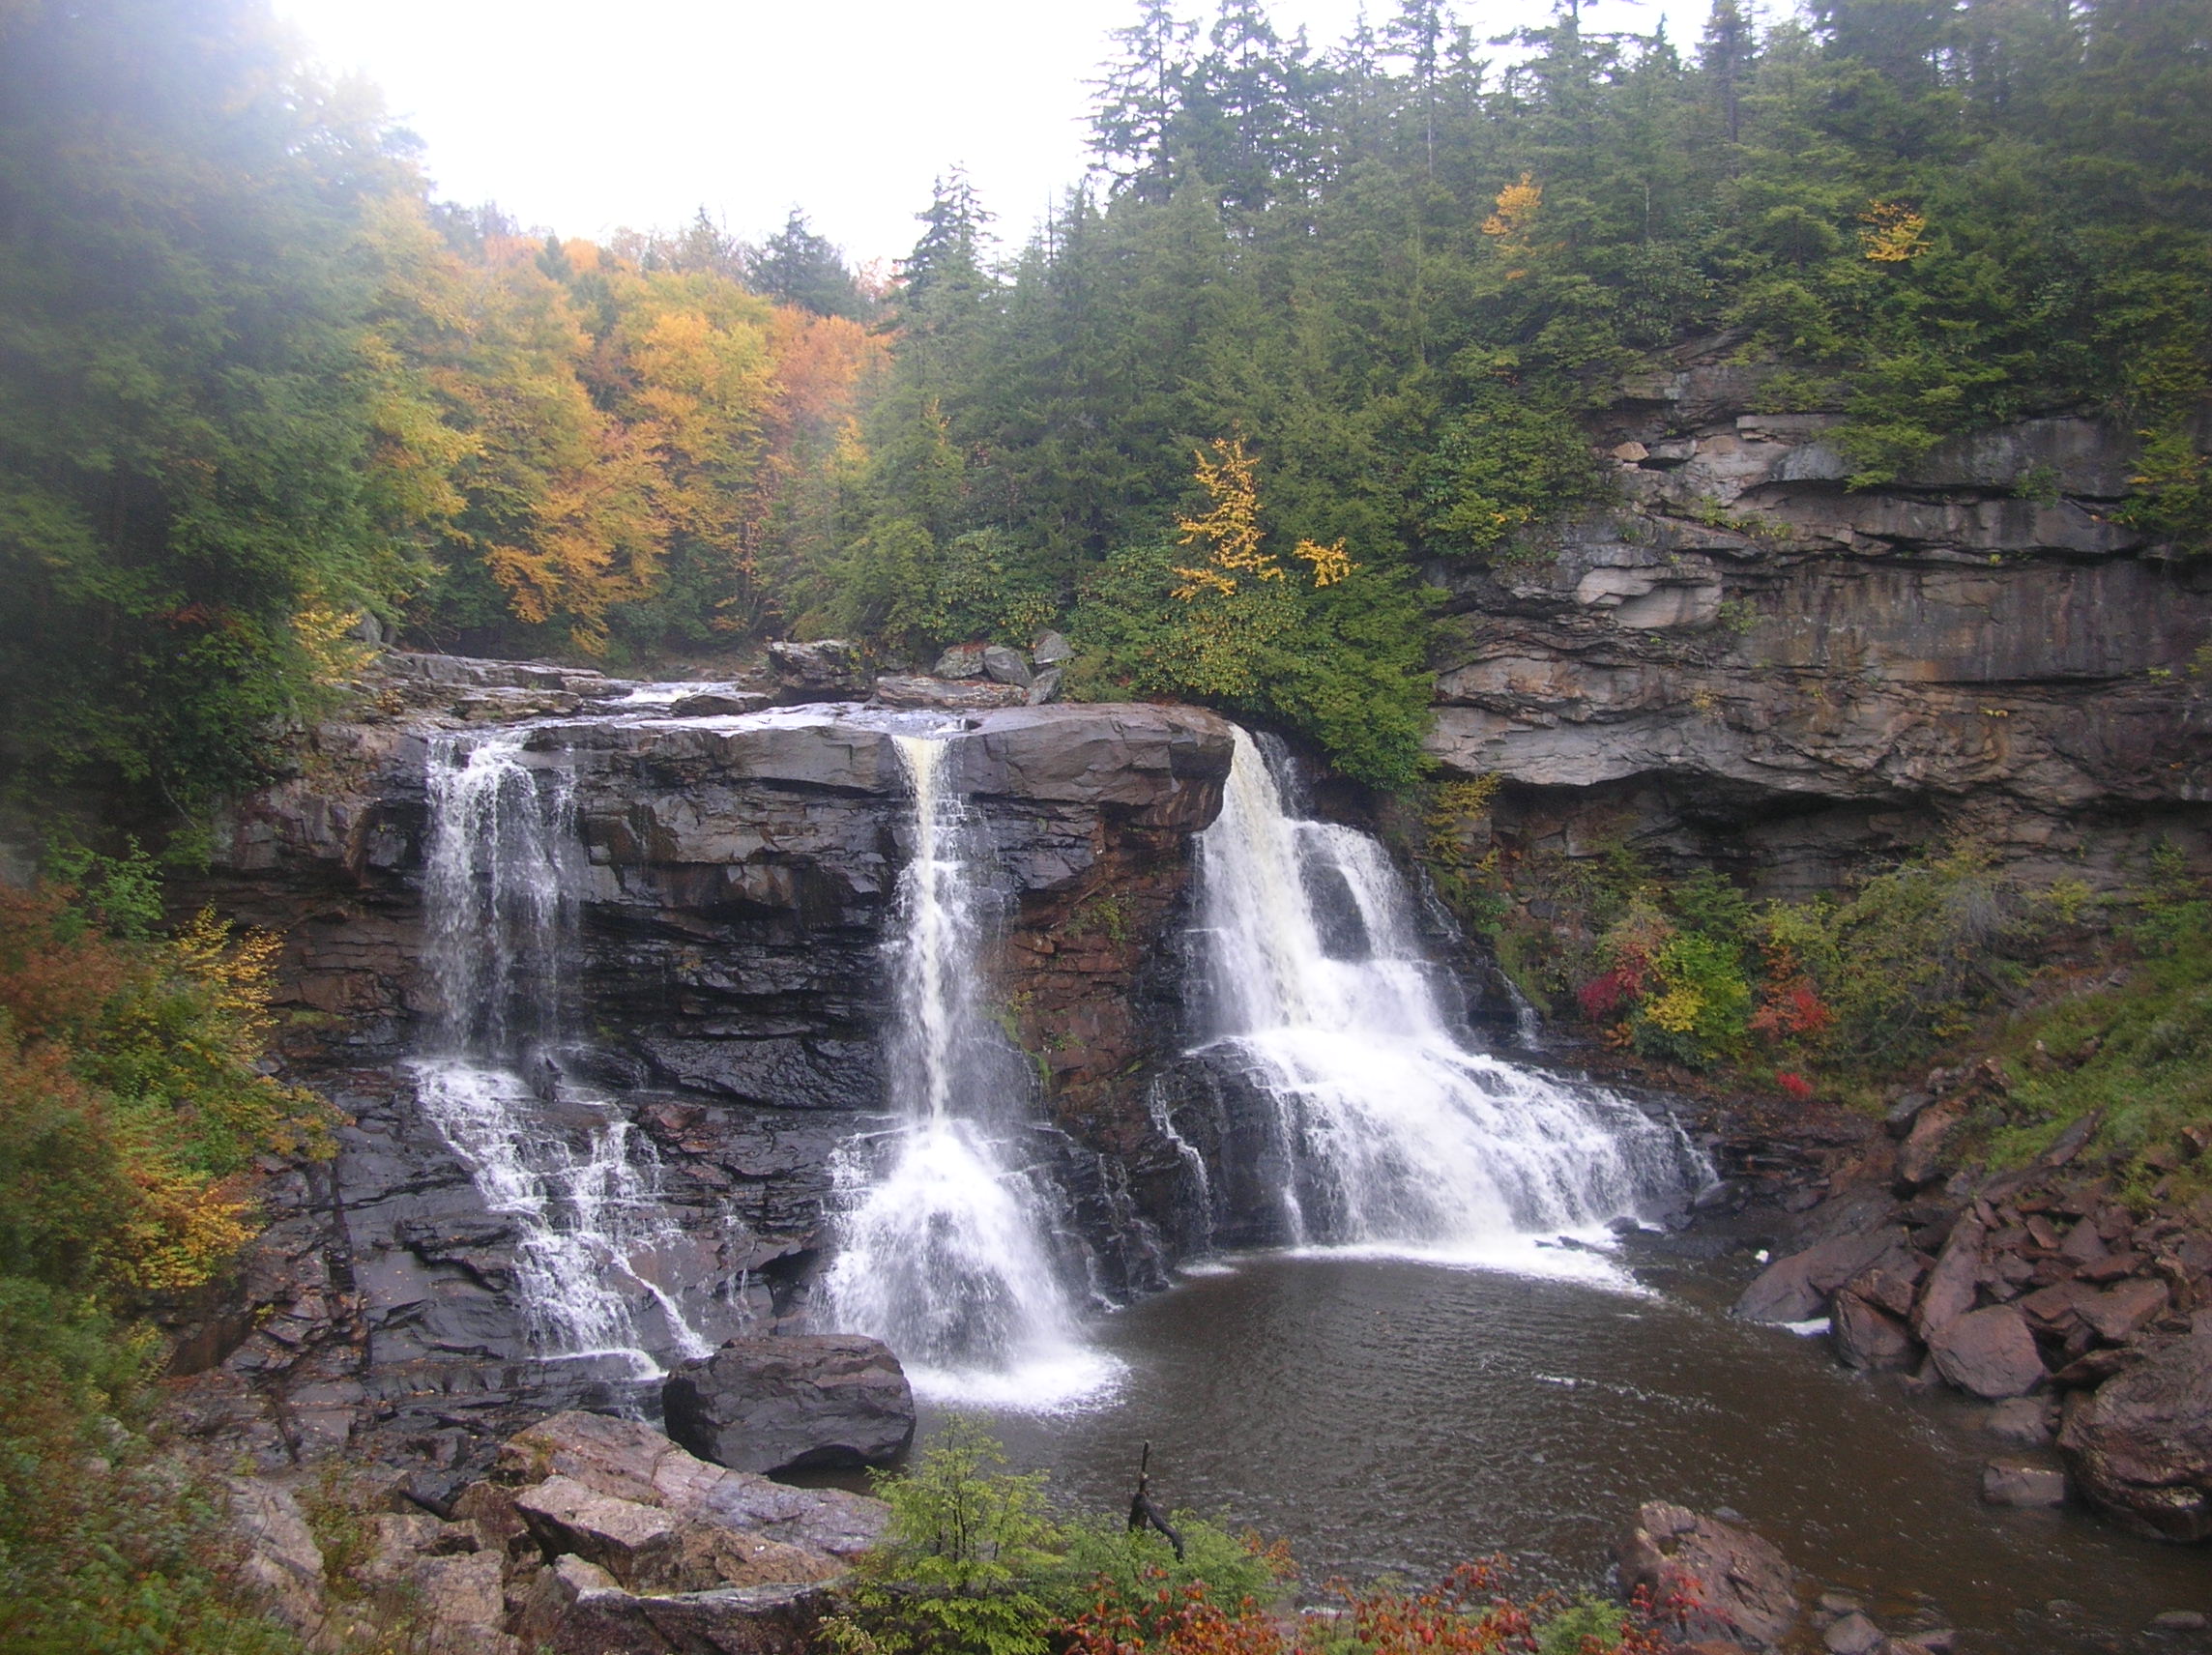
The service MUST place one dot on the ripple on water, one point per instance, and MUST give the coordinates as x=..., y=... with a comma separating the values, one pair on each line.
x=1386, y=1414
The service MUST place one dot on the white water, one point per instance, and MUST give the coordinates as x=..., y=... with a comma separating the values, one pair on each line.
x=943, y=1226
x=1397, y=1137
x=498, y=892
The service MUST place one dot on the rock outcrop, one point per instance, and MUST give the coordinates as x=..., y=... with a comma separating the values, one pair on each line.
x=1744, y=663
x=591, y=1536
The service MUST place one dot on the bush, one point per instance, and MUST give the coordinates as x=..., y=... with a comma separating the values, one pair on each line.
x=129, y=1105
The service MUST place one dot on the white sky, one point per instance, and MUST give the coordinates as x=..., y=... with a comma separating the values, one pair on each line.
x=585, y=119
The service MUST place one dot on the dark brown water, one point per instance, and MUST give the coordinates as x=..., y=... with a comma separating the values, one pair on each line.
x=1387, y=1415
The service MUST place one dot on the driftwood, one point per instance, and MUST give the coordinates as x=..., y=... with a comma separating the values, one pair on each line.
x=1144, y=1514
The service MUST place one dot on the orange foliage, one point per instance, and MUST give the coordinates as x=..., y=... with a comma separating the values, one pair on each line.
x=129, y=1109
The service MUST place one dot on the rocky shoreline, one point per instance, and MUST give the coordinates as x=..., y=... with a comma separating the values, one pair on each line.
x=2083, y=1323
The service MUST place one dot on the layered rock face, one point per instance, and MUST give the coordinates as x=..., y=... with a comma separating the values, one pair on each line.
x=1744, y=663
x=722, y=996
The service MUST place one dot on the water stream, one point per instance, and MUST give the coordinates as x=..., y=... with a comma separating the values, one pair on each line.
x=946, y=1224
x=499, y=895
x=1393, y=1132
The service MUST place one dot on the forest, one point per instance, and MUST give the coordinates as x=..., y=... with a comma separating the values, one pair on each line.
x=1322, y=318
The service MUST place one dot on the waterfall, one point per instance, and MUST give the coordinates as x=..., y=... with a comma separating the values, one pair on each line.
x=499, y=892
x=943, y=1221
x=1395, y=1134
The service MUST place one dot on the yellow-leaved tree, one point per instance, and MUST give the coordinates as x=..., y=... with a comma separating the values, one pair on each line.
x=1239, y=602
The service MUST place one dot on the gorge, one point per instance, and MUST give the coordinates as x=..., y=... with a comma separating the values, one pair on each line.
x=662, y=1015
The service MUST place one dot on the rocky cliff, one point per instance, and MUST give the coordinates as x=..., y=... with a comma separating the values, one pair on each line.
x=723, y=995
x=1742, y=662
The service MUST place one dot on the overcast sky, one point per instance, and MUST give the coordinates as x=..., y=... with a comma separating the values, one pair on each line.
x=587, y=118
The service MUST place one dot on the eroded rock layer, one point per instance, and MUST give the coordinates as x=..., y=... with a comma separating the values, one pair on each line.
x=1743, y=662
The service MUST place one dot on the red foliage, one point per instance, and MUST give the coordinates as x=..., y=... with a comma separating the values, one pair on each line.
x=1605, y=996
x=1799, y=1088
x=1794, y=1008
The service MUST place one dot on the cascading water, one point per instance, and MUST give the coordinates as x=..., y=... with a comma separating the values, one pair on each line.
x=1394, y=1133
x=945, y=1223
x=499, y=890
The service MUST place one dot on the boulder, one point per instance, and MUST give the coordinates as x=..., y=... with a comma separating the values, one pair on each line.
x=1005, y=666
x=639, y=1545
x=830, y=669
x=785, y=1404
x=961, y=660
x=1949, y=1292
x=2142, y=1444
x=1872, y=1339
x=1919, y=1156
x=967, y=694
x=281, y=1558
x=1051, y=649
x=1796, y=1289
x=1989, y=1352
x=2027, y=1420
x=1738, y=1586
x=2118, y=1314
x=1045, y=687
x=1853, y=1635
x=718, y=703
x=2010, y=1482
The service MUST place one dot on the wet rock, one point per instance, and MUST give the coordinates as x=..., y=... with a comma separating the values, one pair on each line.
x=787, y=1404
x=961, y=660
x=1004, y=665
x=1872, y=1339
x=718, y=703
x=1989, y=1352
x=2141, y=1445
x=956, y=695
x=830, y=669
x=2027, y=1420
x=2008, y=1482
x=1796, y=1288
x=1892, y=1284
x=2178, y=1621
x=1853, y=1635
x=1739, y=1586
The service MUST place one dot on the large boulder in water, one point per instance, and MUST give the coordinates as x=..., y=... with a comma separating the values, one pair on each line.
x=784, y=1404
x=2142, y=1446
